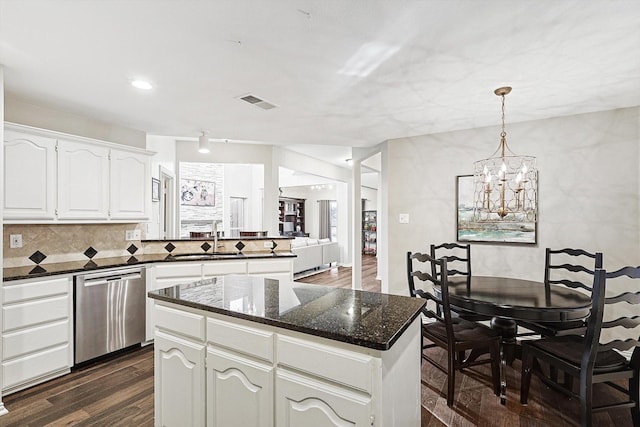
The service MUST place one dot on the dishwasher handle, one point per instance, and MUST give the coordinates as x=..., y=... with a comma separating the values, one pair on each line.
x=105, y=280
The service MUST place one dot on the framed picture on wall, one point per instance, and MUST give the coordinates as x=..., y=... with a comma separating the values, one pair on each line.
x=197, y=193
x=155, y=190
x=470, y=230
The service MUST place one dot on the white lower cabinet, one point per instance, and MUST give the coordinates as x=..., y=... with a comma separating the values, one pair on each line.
x=303, y=401
x=262, y=376
x=239, y=391
x=179, y=368
x=179, y=381
x=37, y=331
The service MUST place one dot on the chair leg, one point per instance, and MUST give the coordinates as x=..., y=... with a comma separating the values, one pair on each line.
x=586, y=393
x=451, y=378
x=495, y=366
x=634, y=394
x=525, y=380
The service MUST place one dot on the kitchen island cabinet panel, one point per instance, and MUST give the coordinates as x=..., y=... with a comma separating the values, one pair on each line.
x=179, y=375
x=239, y=391
x=29, y=176
x=324, y=356
x=302, y=401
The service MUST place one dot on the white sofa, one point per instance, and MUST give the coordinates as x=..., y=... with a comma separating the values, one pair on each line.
x=313, y=253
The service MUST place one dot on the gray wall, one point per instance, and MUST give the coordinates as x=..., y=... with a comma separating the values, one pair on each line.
x=588, y=191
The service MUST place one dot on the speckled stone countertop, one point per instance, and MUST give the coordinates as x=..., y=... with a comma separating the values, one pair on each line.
x=45, y=270
x=367, y=319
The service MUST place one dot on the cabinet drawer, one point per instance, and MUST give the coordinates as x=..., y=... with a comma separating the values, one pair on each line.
x=188, y=324
x=178, y=270
x=36, y=338
x=218, y=268
x=245, y=339
x=331, y=363
x=31, y=290
x=269, y=266
x=33, y=312
x=34, y=366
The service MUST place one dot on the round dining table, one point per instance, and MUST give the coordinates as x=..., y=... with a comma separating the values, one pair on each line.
x=518, y=299
x=509, y=300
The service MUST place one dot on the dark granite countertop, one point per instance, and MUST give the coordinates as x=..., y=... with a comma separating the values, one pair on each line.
x=367, y=319
x=71, y=267
x=208, y=239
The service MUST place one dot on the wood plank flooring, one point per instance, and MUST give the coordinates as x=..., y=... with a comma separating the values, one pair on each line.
x=119, y=391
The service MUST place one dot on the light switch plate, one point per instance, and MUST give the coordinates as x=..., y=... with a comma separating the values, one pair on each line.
x=403, y=218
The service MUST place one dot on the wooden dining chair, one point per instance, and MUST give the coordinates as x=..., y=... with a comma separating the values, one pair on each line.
x=573, y=268
x=594, y=357
x=458, y=258
x=453, y=334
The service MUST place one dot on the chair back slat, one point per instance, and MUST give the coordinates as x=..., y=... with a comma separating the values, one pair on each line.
x=458, y=257
x=605, y=283
x=625, y=322
x=619, y=345
x=431, y=272
x=628, y=297
x=570, y=284
x=570, y=267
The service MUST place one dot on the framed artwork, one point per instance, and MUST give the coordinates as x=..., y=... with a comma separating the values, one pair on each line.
x=197, y=193
x=155, y=190
x=469, y=230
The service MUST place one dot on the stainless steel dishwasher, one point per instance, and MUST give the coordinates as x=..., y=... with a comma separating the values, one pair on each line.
x=109, y=311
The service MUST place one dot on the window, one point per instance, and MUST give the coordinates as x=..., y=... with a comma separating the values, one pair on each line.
x=333, y=220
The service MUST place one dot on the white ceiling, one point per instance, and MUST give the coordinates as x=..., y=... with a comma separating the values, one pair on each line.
x=341, y=73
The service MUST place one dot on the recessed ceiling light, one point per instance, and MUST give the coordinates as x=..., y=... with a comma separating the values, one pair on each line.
x=141, y=84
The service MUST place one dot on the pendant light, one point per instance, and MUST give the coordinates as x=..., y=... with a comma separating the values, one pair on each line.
x=203, y=143
x=505, y=184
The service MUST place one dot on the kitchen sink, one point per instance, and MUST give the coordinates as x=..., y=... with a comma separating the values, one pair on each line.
x=213, y=255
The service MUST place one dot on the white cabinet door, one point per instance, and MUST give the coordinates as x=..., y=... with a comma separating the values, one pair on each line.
x=29, y=177
x=179, y=375
x=302, y=401
x=83, y=181
x=239, y=391
x=130, y=189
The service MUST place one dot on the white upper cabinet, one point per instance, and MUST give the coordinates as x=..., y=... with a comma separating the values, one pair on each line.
x=83, y=181
x=130, y=196
x=54, y=177
x=29, y=176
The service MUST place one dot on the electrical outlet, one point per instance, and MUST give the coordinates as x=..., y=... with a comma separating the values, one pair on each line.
x=403, y=218
x=268, y=245
x=129, y=235
x=15, y=241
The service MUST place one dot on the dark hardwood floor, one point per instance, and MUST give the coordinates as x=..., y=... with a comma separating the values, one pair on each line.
x=119, y=391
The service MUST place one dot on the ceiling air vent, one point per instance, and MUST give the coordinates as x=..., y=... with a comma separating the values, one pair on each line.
x=254, y=100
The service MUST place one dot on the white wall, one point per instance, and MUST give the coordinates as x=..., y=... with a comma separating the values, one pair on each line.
x=27, y=112
x=2, y=117
x=588, y=191
x=165, y=157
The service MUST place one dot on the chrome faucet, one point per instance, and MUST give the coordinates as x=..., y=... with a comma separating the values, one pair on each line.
x=214, y=229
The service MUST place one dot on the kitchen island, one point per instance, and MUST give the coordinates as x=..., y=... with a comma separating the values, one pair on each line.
x=253, y=351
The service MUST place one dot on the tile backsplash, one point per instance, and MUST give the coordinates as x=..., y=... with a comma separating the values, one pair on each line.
x=51, y=243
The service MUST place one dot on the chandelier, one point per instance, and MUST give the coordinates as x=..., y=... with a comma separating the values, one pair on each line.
x=505, y=184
